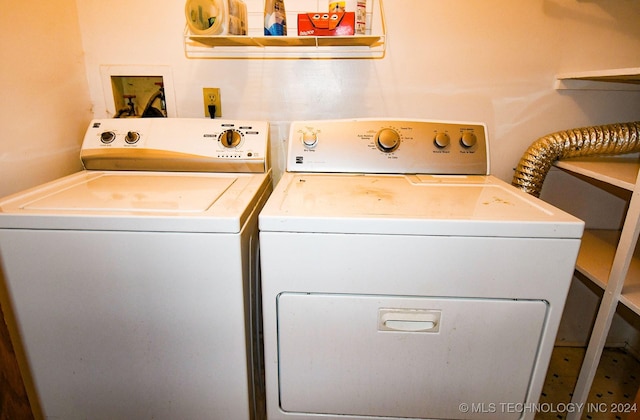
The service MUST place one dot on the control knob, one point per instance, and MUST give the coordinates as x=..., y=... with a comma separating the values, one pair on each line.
x=468, y=140
x=387, y=140
x=132, y=137
x=230, y=138
x=441, y=140
x=107, y=137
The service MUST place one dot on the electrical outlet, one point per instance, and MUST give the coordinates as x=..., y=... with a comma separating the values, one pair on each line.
x=211, y=96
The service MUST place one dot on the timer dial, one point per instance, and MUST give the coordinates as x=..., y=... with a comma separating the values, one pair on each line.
x=309, y=139
x=230, y=138
x=387, y=140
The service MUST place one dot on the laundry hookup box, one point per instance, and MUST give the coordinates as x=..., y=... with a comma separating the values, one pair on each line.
x=326, y=24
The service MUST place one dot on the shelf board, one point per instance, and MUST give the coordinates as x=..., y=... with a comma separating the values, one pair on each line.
x=287, y=41
x=596, y=255
x=595, y=259
x=630, y=297
x=612, y=79
x=239, y=46
x=619, y=171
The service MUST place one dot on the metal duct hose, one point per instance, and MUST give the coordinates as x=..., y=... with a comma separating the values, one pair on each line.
x=611, y=139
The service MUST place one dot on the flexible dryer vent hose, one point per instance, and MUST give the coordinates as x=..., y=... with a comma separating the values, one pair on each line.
x=611, y=139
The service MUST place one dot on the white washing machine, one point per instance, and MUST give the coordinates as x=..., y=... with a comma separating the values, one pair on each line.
x=134, y=282
x=400, y=280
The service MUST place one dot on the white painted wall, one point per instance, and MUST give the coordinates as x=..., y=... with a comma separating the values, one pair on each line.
x=44, y=96
x=492, y=61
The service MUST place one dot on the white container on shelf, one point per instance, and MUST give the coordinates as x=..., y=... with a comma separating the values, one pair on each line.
x=216, y=17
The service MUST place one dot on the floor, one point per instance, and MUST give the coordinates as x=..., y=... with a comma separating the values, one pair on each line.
x=612, y=393
x=14, y=403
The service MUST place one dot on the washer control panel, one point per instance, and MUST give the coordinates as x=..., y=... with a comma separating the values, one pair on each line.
x=388, y=146
x=176, y=144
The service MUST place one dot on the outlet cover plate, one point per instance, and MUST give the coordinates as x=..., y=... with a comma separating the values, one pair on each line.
x=211, y=96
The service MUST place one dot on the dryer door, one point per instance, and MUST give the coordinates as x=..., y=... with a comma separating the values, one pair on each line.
x=406, y=357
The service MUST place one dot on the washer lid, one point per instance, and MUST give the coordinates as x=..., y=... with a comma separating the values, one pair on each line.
x=139, y=193
x=412, y=205
x=153, y=201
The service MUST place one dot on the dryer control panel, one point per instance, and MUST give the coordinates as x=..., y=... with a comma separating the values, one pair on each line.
x=176, y=144
x=388, y=146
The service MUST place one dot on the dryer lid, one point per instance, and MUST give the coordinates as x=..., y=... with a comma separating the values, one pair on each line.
x=412, y=205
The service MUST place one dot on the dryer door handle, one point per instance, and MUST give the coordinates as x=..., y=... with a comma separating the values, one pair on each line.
x=410, y=326
x=409, y=320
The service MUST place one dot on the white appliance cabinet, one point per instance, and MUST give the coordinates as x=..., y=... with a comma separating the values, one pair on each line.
x=607, y=257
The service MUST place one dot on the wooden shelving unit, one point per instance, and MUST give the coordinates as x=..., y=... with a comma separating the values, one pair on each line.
x=257, y=46
x=599, y=247
x=608, y=258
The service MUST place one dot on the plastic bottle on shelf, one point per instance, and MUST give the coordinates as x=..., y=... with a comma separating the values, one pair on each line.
x=275, y=18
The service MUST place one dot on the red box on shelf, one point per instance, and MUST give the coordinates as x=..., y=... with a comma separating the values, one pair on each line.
x=326, y=24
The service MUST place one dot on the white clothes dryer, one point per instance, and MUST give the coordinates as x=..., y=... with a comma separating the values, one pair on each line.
x=134, y=282
x=401, y=280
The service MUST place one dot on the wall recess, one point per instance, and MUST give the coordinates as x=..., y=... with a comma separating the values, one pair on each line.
x=136, y=91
